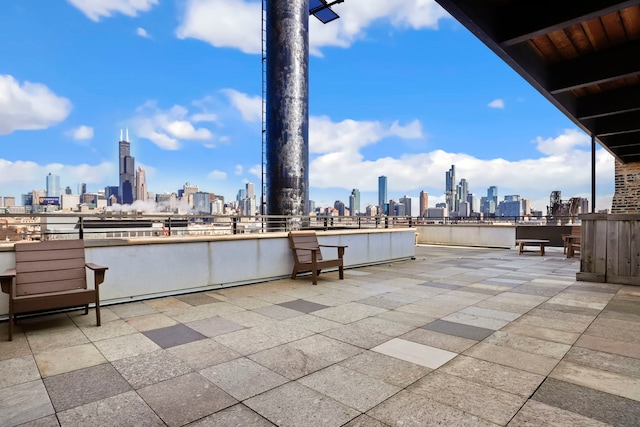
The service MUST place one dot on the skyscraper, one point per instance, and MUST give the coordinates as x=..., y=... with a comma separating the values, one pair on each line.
x=492, y=199
x=141, y=184
x=355, y=206
x=127, y=188
x=53, y=185
x=382, y=193
x=450, y=188
x=406, y=202
x=424, y=203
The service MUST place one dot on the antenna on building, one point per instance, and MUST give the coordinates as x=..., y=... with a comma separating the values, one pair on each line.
x=127, y=135
x=121, y=135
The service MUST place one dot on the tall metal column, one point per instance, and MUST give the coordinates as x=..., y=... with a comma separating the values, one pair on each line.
x=287, y=107
x=593, y=173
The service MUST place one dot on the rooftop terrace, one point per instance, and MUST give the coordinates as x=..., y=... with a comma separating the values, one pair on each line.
x=459, y=336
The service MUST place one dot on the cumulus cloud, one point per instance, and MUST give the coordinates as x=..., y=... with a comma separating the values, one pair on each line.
x=237, y=23
x=250, y=107
x=497, y=103
x=81, y=133
x=142, y=33
x=167, y=128
x=239, y=170
x=217, y=175
x=29, y=106
x=96, y=9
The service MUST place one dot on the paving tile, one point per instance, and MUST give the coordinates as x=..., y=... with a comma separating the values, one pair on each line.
x=490, y=313
x=511, y=380
x=311, y=323
x=348, y=313
x=85, y=386
x=303, y=306
x=184, y=399
x=615, y=329
x=542, y=333
x=382, y=301
x=80, y=319
x=246, y=341
x=19, y=347
x=514, y=358
x=132, y=309
x=112, y=329
x=48, y=421
x=281, y=333
x=532, y=289
x=249, y=318
x=243, y=378
x=486, y=402
x=203, y=354
x=411, y=410
x=294, y=405
x=609, y=345
x=150, y=368
x=384, y=326
x=349, y=387
x=606, y=361
x=477, y=321
x=548, y=323
x=439, y=340
x=503, y=306
x=61, y=360
x=278, y=312
x=364, y=421
x=17, y=371
x=333, y=298
x=388, y=369
x=358, y=335
x=590, y=403
x=172, y=336
x=410, y=319
x=24, y=402
x=166, y=304
x=597, y=379
x=150, y=321
x=459, y=330
x=41, y=341
x=237, y=415
x=126, y=409
x=125, y=346
x=300, y=358
x=419, y=354
x=191, y=314
x=248, y=303
x=528, y=344
x=535, y=413
x=197, y=298
x=570, y=309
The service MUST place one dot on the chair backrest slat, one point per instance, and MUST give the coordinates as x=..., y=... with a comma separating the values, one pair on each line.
x=304, y=239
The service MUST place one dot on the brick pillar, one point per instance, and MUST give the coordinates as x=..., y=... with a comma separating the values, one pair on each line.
x=626, y=198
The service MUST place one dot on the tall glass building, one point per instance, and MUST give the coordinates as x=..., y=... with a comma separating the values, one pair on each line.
x=382, y=193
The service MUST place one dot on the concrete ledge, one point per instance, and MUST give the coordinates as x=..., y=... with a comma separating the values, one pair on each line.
x=481, y=235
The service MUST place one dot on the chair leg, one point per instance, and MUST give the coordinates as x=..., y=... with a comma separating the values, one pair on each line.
x=86, y=309
x=314, y=276
x=341, y=272
x=294, y=273
x=12, y=320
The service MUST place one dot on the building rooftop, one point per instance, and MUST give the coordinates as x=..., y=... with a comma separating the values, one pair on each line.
x=459, y=336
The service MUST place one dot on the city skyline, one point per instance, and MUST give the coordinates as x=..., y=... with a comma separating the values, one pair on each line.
x=190, y=96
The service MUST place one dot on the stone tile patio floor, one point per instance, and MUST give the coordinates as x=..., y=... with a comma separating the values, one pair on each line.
x=459, y=336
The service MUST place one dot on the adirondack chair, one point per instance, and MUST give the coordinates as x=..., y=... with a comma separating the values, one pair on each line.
x=308, y=256
x=50, y=275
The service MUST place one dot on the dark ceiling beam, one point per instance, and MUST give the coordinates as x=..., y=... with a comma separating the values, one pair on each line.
x=525, y=20
x=607, y=103
x=596, y=68
x=619, y=123
x=620, y=140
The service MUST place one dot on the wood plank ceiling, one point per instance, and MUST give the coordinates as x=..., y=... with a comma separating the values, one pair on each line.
x=582, y=55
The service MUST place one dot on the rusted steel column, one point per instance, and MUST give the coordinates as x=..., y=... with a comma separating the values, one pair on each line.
x=287, y=106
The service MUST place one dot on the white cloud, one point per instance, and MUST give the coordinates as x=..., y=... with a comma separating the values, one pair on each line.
x=142, y=33
x=497, y=103
x=217, y=175
x=563, y=144
x=204, y=117
x=256, y=170
x=96, y=9
x=29, y=106
x=81, y=133
x=166, y=128
x=237, y=23
x=239, y=170
x=250, y=107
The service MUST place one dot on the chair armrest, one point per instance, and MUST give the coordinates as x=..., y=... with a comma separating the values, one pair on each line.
x=6, y=279
x=304, y=249
x=98, y=271
x=333, y=246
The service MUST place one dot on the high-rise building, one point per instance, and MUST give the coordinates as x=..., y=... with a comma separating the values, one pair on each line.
x=340, y=207
x=127, y=188
x=202, y=203
x=382, y=193
x=9, y=201
x=187, y=192
x=424, y=203
x=355, y=207
x=27, y=199
x=82, y=188
x=53, y=185
x=406, y=202
x=450, y=188
x=250, y=190
x=141, y=184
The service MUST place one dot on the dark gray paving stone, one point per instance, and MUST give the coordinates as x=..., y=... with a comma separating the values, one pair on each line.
x=197, y=299
x=303, y=305
x=570, y=309
x=440, y=285
x=182, y=400
x=591, y=403
x=172, y=336
x=84, y=386
x=459, y=330
x=382, y=302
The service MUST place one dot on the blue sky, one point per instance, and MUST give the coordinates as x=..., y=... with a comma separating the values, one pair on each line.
x=397, y=88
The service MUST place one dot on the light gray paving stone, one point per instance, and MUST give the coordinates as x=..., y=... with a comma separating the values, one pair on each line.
x=214, y=326
x=150, y=368
x=490, y=313
x=294, y=405
x=235, y=416
x=412, y=352
x=278, y=312
x=17, y=371
x=311, y=323
x=246, y=341
x=386, y=368
x=514, y=358
x=606, y=361
x=126, y=409
x=243, y=378
x=358, y=335
x=537, y=413
x=528, y=344
x=349, y=387
x=622, y=348
x=348, y=313
x=125, y=346
x=478, y=321
x=597, y=379
x=48, y=421
x=364, y=421
x=439, y=340
x=202, y=354
x=24, y=402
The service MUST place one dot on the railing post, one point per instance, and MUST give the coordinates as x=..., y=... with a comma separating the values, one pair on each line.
x=326, y=220
x=81, y=230
x=410, y=222
x=386, y=222
x=235, y=224
x=169, y=226
x=359, y=223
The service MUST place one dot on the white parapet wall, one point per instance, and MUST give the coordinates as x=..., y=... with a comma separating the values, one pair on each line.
x=152, y=267
x=485, y=235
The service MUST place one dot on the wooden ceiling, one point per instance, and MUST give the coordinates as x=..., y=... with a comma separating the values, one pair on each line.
x=582, y=55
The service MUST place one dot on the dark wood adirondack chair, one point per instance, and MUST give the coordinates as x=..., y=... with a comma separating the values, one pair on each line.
x=308, y=256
